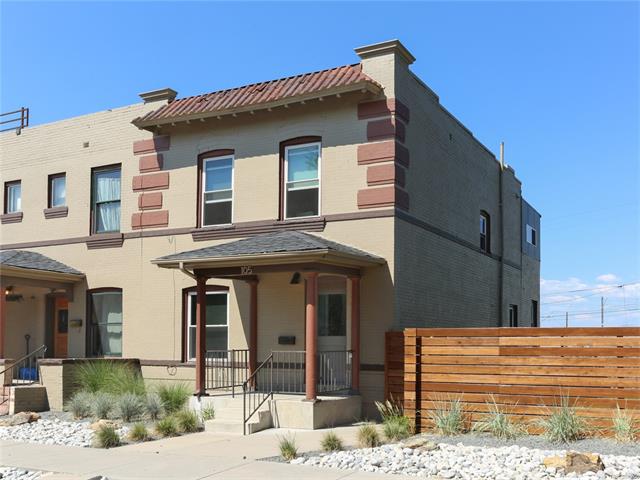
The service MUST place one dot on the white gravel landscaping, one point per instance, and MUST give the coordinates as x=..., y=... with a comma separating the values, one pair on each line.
x=466, y=462
x=54, y=432
x=13, y=473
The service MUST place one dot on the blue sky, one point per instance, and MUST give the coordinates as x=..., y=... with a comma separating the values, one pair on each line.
x=558, y=82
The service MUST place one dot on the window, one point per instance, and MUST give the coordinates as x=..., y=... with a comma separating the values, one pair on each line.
x=535, y=322
x=105, y=192
x=217, y=322
x=532, y=235
x=513, y=315
x=332, y=314
x=302, y=180
x=13, y=197
x=485, y=232
x=104, y=329
x=57, y=190
x=217, y=191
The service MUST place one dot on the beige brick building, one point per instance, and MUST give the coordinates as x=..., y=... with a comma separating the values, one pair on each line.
x=347, y=201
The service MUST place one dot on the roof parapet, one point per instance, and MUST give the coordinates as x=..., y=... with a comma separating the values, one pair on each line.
x=386, y=48
x=167, y=94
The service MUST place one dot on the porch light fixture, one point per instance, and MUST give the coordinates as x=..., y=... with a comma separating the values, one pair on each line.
x=295, y=279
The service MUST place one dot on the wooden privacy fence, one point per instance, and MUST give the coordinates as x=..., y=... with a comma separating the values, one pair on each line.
x=527, y=371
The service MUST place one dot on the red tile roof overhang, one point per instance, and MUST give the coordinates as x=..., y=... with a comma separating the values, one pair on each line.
x=264, y=95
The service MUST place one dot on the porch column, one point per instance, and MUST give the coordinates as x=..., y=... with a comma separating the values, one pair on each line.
x=311, y=340
x=253, y=325
x=355, y=333
x=201, y=334
x=3, y=320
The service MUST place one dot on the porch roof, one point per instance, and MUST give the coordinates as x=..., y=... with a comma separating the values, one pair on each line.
x=272, y=248
x=21, y=263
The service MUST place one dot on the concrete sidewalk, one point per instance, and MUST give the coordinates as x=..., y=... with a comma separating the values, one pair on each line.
x=191, y=457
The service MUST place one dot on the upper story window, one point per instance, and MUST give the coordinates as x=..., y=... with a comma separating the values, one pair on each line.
x=13, y=197
x=302, y=180
x=485, y=232
x=57, y=190
x=532, y=235
x=217, y=190
x=105, y=203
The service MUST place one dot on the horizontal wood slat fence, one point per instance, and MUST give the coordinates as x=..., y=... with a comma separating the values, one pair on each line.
x=527, y=371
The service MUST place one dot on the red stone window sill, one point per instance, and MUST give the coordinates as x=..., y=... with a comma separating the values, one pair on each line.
x=15, y=217
x=56, y=212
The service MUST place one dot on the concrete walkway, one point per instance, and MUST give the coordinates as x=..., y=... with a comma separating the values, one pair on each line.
x=191, y=457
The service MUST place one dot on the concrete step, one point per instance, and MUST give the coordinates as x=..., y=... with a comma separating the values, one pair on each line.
x=261, y=420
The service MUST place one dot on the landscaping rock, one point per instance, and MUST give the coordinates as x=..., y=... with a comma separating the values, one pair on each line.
x=19, y=419
x=419, y=443
x=97, y=425
x=574, y=462
x=54, y=432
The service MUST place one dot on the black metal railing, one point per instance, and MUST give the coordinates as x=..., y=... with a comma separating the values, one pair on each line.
x=25, y=370
x=334, y=371
x=226, y=369
x=16, y=120
x=256, y=390
x=289, y=371
x=283, y=372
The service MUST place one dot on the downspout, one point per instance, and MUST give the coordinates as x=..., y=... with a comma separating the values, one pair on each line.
x=501, y=208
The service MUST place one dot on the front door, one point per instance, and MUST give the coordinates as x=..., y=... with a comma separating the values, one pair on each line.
x=60, y=327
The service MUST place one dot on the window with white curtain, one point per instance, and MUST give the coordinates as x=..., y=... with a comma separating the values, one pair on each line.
x=13, y=197
x=106, y=200
x=104, y=330
x=302, y=181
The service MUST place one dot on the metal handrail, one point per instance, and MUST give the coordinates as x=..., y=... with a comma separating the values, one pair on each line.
x=256, y=390
x=27, y=361
x=23, y=119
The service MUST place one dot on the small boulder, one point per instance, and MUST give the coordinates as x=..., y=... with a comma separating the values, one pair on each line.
x=419, y=443
x=574, y=462
x=97, y=425
x=19, y=419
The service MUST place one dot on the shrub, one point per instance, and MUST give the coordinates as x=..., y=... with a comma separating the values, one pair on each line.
x=153, y=406
x=129, y=406
x=208, y=413
x=174, y=396
x=110, y=377
x=107, y=437
x=397, y=428
x=563, y=425
x=390, y=409
x=331, y=442
x=187, y=421
x=139, y=433
x=498, y=422
x=288, y=448
x=447, y=416
x=167, y=427
x=80, y=404
x=368, y=436
x=624, y=426
x=103, y=405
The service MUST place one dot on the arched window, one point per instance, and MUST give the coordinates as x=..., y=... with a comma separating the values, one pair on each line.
x=485, y=231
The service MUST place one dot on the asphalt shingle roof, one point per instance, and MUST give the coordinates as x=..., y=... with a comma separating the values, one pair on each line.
x=269, y=243
x=34, y=261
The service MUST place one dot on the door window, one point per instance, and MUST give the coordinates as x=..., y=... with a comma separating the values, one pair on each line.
x=217, y=323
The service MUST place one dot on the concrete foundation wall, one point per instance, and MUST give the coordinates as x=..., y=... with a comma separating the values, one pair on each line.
x=32, y=398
